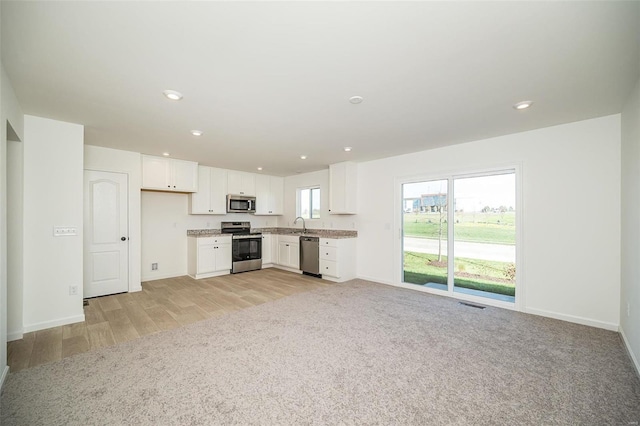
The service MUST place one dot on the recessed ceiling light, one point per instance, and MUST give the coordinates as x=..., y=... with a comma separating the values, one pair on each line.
x=523, y=105
x=166, y=154
x=172, y=95
x=303, y=157
x=259, y=168
x=197, y=132
x=347, y=149
x=356, y=99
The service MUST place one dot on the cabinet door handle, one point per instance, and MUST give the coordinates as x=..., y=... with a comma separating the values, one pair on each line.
x=123, y=238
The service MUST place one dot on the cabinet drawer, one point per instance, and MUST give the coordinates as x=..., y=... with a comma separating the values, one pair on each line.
x=327, y=267
x=289, y=239
x=213, y=240
x=328, y=253
x=328, y=242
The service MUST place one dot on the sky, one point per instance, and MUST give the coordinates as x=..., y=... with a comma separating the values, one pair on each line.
x=471, y=194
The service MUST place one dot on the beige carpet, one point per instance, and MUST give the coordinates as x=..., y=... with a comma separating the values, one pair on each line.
x=357, y=353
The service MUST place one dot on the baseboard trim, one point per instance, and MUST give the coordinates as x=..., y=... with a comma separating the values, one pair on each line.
x=627, y=345
x=286, y=268
x=574, y=319
x=5, y=373
x=14, y=335
x=209, y=275
x=163, y=276
x=375, y=280
x=54, y=323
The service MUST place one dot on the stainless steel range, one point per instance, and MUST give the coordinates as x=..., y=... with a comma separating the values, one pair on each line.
x=246, y=246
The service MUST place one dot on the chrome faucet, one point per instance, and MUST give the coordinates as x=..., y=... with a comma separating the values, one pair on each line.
x=304, y=227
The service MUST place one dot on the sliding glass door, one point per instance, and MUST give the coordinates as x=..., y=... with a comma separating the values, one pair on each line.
x=477, y=214
x=485, y=236
x=425, y=233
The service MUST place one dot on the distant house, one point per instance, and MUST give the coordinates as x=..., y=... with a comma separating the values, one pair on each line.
x=433, y=202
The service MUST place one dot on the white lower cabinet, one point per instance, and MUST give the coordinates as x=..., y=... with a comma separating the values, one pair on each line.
x=289, y=251
x=209, y=256
x=338, y=259
x=267, y=250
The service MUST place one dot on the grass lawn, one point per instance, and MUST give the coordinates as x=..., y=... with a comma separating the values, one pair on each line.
x=496, y=228
x=485, y=275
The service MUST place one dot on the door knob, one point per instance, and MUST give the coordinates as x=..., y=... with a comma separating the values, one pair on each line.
x=123, y=239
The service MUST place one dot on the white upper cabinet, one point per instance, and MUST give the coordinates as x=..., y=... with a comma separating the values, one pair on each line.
x=185, y=175
x=212, y=192
x=241, y=183
x=343, y=188
x=167, y=174
x=269, y=195
x=155, y=172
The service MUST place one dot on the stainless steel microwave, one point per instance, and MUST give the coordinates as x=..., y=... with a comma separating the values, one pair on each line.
x=240, y=204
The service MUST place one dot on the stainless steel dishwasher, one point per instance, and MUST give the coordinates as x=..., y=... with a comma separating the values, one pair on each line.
x=310, y=255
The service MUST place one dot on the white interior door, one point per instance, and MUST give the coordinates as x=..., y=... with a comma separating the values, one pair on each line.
x=106, y=242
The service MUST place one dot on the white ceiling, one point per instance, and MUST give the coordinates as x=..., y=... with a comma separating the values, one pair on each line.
x=269, y=81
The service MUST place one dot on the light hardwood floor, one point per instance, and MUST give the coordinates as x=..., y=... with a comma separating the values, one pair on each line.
x=161, y=305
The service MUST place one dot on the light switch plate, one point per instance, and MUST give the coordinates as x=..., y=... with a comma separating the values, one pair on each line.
x=64, y=231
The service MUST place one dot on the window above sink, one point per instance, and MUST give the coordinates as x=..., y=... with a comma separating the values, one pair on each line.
x=308, y=205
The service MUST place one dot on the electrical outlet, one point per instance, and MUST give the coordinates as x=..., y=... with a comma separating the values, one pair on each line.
x=154, y=266
x=73, y=290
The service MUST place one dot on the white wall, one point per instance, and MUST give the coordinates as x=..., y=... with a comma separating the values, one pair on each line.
x=630, y=261
x=15, y=248
x=165, y=220
x=326, y=221
x=4, y=369
x=53, y=191
x=10, y=114
x=114, y=160
x=571, y=214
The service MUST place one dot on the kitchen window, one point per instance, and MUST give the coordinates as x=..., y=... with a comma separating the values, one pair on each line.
x=309, y=202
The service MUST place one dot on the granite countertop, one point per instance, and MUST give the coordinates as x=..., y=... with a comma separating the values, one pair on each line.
x=322, y=233
x=203, y=232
